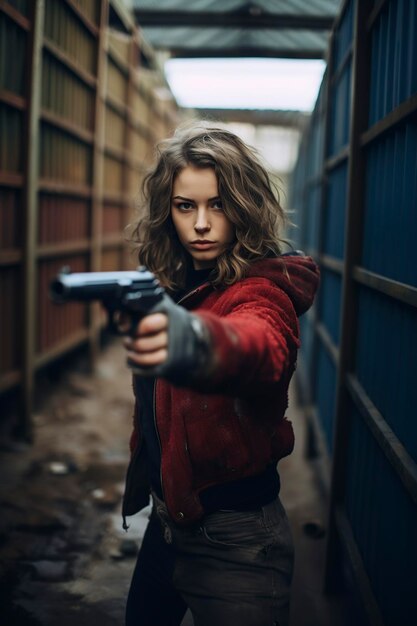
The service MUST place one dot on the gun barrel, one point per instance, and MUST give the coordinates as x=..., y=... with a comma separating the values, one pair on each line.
x=88, y=286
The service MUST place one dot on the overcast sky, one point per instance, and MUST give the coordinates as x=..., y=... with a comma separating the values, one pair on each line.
x=245, y=83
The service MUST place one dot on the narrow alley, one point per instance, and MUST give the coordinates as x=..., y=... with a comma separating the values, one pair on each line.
x=65, y=558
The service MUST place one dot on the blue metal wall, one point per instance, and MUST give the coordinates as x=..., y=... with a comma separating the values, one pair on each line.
x=359, y=355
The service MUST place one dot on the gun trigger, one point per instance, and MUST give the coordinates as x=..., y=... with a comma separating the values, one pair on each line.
x=134, y=321
x=116, y=325
x=113, y=325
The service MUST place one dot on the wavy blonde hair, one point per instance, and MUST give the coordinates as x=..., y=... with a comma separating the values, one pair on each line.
x=249, y=199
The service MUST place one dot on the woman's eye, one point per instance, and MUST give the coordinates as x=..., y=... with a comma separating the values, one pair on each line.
x=184, y=206
x=218, y=205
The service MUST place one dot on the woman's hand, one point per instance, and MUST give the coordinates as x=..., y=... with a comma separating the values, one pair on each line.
x=149, y=346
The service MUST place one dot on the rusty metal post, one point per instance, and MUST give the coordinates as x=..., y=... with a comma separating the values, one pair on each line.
x=98, y=177
x=128, y=143
x=29, y=317
x=353, y=247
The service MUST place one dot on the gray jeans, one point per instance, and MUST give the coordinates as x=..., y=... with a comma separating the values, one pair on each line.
x=231, y=568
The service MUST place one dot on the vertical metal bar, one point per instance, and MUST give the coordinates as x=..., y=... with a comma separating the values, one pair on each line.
x=127, y=142
x=353, y=246
x=323, y=202
x=98, y=175
x=32, y=135
x=312, y=445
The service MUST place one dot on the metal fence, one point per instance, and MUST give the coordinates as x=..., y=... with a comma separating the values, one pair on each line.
x=355, y=196
x=82, y=104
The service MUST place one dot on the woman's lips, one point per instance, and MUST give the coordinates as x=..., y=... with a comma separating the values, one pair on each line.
x=202, y=244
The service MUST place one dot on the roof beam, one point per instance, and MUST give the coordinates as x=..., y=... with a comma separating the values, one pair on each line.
x=250, y=18
x=258, y=117
x=247, y=52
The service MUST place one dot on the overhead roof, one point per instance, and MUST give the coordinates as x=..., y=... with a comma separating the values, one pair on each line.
x=236, y=28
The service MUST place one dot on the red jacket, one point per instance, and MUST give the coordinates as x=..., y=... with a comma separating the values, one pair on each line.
x=233, y=425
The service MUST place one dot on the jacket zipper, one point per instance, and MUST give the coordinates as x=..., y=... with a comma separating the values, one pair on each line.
x=191, y=293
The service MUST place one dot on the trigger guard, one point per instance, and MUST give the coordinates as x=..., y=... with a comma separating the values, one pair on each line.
x=115, y=327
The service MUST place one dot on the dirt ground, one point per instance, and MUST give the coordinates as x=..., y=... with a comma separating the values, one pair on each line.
x=64, y=558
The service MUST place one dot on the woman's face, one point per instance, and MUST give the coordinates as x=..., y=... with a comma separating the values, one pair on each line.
x=197, y=213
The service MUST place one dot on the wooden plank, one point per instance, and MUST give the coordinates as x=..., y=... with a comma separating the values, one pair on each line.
x=10, y=179
x=14, y=15
x=119, y=107
x=117, y=198
x=69, y=127
x=12, y=99
x=66, y=189
x=85, y=21
x=123, y=14
x=113, y=241
x=10, y=257
x=62, y=57
x=10, y=380
x=115, y=152
x=118, y=62
x=54, y=250
x=69, y=343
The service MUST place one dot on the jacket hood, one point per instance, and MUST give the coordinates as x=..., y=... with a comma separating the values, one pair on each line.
x=296, y=274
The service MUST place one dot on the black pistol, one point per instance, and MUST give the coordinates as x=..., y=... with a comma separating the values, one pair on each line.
x=135, y=293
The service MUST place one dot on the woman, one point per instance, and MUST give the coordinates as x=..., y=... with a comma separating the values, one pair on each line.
x=211, y=393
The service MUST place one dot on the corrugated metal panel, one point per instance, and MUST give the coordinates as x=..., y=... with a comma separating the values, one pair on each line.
x=390, y=220
x=386, y=344
x=237, y=28
x=329, y=303
x=363, y=356
x=394, y=58
x=85, y=124
x=334, y=226
x=55, y=326
x=192, y=39
x=13, y=111
x=63, y=219
x=384, y=523
x=10, y=319
x=325, y=392
x=295, y=7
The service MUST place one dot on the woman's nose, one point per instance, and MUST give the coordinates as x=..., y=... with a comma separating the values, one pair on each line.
x=202, y=223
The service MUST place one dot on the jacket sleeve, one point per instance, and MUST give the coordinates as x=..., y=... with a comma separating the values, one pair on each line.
x=255, y=340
